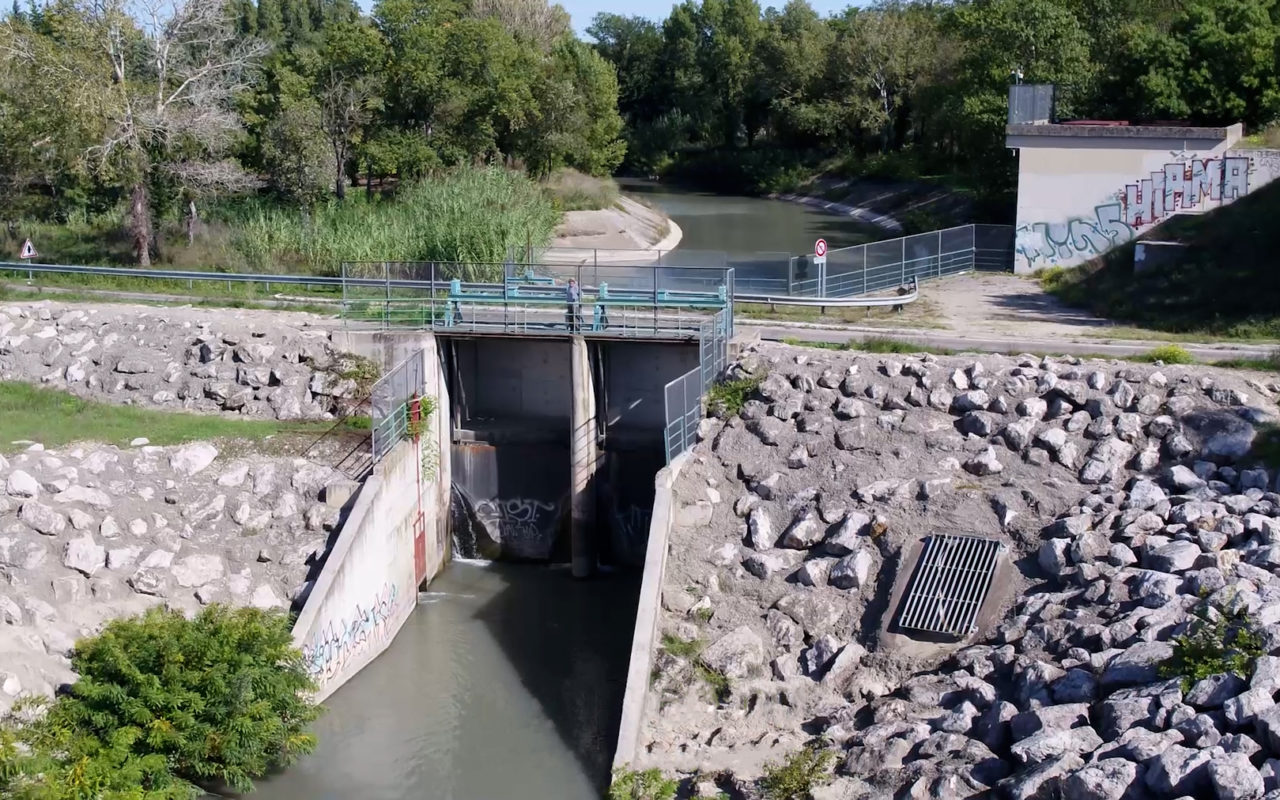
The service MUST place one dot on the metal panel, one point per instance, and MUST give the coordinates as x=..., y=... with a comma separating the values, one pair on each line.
x=950, y=584
x=682, y=400
x=1030, y=103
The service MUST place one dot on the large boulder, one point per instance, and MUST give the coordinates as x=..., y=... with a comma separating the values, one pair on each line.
x=736, y=654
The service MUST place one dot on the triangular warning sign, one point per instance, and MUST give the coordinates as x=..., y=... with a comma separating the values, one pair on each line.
x=28, y=250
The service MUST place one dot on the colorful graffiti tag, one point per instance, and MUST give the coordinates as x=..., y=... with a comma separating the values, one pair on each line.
x=1187, y=184
x=339, y=642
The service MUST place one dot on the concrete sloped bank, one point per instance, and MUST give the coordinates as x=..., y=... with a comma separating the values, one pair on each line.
x=1128, y=499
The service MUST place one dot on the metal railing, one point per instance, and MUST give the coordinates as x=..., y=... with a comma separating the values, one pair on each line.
x=393, y=403
x=682, y=397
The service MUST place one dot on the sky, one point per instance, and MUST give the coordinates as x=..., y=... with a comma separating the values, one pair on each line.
x=582, y=11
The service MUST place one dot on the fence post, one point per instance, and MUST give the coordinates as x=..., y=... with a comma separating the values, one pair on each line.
x=904, y=262
x=864, y=269
x=791, y=276
x=939, y=268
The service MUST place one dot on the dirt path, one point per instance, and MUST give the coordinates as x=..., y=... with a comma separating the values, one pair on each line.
x=1001, y=313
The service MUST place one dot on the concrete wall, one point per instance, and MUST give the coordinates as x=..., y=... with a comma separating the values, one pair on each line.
x=394, y=539
x=1082, y=191
x=514, y=378
x=644, y=641
x=518, y=496
x=635, y=373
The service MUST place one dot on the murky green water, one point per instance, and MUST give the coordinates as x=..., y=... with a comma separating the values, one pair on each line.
x=505, y=684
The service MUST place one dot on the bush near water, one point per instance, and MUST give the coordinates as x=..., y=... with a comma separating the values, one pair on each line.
x=164, y=708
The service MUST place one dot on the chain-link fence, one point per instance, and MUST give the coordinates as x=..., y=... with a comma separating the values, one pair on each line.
x=394, y=402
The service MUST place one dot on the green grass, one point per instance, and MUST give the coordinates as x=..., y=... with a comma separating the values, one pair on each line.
x=1168, y=354
x=715, y=680
x=1224, y=284
x=726, y=398
x=469, y=215
x=54, y=418
x=797, y=776
x=1269, y=364
x=571, y=190
x=680, y=648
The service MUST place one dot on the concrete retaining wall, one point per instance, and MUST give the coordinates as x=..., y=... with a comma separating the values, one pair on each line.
x=1083, y=191
x=645, y=640
x=394, y=539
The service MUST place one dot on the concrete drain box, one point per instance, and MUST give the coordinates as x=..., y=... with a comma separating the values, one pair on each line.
x=951, y=582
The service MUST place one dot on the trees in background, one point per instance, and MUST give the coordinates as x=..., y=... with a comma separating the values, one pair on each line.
x=925, y=82
x=153, y=107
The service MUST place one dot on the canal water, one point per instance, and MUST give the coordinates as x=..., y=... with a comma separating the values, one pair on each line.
x=505, y=684
x=743, y=227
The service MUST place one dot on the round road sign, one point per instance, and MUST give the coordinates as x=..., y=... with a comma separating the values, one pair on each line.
x=820, y=248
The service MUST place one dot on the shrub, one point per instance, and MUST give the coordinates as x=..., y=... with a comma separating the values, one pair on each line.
x=1169, y=354
x=571, y=190
x=650, y=784
x=165, y=704
x=679, y=647
x=726, y=398
x=797, y=776
x=1217, y=642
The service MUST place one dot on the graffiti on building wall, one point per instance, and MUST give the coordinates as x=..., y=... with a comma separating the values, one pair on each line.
x=340, y=641
x=517, y=516
x=1188, y=183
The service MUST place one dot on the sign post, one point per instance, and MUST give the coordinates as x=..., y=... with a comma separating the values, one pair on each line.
x=28, y=250
x=820, y=261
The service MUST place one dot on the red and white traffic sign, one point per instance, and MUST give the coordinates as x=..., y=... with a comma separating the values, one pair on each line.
x=820, y=248
x=28, y=250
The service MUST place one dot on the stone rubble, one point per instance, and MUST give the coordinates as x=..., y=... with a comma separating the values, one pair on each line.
x=1130, y=502
x=93, y=532
x=250, y=363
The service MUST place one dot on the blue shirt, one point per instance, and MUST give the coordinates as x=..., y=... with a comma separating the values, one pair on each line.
x=572, y=293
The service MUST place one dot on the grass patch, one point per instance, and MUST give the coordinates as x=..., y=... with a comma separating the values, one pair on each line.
x=55, y=418
x=651, y=784
x=726, y=398
x=1169, y=354
x=715, y=680
x=883, y=344
x=680, y=648
x=1218, y=642
x=923, y=313
x=469, y=215
x=1224, y=284
x=571, y=190
x=1269, y=364
x=797, y=776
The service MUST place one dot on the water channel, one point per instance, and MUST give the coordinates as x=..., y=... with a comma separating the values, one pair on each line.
x=507, y=682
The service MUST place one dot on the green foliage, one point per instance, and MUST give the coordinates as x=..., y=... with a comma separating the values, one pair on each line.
x=362, y=370
x=650, y=784
x=680, y=648
x=56, y=418
x=1169, y=354
x=571, y=190
x=467, y=215
x=715, y=680
x=1219, y=641
x=727, y=397
x=164, y=704
x=797, y=776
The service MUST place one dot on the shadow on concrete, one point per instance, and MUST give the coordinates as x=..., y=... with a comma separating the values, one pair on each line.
x=1023, y=303
x=570, y=643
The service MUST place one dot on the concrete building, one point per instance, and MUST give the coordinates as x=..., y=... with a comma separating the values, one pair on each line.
x=1085, y=187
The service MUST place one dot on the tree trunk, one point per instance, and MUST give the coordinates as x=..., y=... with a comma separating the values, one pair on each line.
x=368, y=180
x=340, y=183
x=140, y=224
x=192, y=219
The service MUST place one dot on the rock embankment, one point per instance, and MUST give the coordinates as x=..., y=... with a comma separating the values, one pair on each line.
x=94, y=532
x=257, y=364
x=1132, y=500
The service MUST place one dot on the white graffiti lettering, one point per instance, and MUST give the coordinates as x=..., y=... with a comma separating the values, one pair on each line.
x=1186, y=184
x=520, y=518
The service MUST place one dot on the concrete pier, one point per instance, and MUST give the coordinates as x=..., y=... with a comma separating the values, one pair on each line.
x=584, y=454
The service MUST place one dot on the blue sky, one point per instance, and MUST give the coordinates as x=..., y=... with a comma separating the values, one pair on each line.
x=582, y=11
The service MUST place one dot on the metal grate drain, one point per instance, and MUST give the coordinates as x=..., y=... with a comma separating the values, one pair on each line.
x=950, y=584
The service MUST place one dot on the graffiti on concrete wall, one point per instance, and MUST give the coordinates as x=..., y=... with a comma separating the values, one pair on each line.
x=337, y=643
x=1188, y=183
x=631, y=532
x=524, y=527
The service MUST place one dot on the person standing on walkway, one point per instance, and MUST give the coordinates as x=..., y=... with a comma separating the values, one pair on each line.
x=573, y=299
